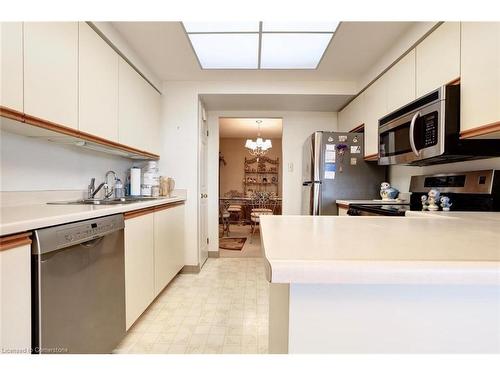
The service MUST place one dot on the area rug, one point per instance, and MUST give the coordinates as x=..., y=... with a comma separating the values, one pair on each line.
x=232, y=243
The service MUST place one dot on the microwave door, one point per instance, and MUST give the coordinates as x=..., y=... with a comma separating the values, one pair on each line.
x=395, y=141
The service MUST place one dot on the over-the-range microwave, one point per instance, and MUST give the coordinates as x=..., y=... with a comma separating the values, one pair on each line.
x=427, y=131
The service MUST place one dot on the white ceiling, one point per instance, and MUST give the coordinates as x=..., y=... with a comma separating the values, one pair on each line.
x=355, y=47
x=274, y=102
x=248, y=128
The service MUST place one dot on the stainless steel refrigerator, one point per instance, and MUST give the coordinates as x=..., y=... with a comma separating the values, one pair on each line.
x=333, y=168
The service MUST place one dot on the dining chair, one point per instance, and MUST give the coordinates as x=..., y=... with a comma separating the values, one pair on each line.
x=224, y=216
x=235, y=209
x=263, y=203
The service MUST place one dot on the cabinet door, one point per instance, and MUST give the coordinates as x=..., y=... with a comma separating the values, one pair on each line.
x=480, y=75
x=132, y=106
x=401, y=82
x=15, y=292
x=353, y=115
x=11, y=65
x=139, y=266
x=97, y=85
x=169, y=245
x=51, y=71
x=438, y=58
x=152, y=121
x=375, y=100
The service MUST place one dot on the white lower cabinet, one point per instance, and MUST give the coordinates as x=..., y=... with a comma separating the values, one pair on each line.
x=154, y=254
x=139, y=265
x=15, y=289
x=168, y=245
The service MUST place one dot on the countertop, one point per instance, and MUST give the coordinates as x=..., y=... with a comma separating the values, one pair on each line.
x=21, y=218
x=427, y=248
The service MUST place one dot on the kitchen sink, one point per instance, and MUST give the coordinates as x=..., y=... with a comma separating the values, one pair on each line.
x=110, y=201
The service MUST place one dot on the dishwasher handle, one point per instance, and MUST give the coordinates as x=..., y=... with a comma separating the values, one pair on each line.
x=92, y=243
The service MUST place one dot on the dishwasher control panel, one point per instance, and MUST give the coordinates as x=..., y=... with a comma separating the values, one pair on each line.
x=84, y=232
x=74, y=233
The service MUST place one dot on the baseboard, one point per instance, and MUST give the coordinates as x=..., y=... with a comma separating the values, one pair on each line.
x=213, y=254
x=191, y=269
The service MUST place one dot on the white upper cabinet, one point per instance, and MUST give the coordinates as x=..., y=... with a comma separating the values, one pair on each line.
x=11, y=65
x=480, y=78
x=438, y=58
x=375, y=103
x=152, y=121
x=138, y=114
x=353, y=115
x=401, y=82
x=98, y=85
x=51, y=71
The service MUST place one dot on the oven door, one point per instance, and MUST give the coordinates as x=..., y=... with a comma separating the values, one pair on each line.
x=414, y=136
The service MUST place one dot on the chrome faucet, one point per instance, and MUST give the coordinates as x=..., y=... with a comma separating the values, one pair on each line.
x=92, y=191
x=108, y=191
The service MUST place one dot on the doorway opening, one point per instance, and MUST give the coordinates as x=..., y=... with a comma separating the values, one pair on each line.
x=250, y=181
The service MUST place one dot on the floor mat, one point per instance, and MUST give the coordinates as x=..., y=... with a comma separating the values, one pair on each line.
x=232, y=243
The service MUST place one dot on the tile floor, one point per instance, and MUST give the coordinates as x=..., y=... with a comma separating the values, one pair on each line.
x=223, y=309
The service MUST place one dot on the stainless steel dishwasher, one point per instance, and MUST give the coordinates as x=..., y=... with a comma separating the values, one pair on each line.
x=78, y=277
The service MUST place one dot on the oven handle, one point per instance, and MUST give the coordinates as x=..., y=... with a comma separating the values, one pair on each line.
x=412, y=133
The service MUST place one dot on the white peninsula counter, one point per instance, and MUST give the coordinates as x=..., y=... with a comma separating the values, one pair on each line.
x=422, y=284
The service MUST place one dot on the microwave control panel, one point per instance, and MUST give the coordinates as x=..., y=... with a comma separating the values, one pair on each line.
x=430, y=125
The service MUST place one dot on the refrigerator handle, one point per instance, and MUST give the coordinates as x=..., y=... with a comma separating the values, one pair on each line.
x=309, y=183
x=316, y=199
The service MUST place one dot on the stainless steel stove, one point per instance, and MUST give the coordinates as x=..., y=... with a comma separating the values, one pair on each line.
x=468, y=191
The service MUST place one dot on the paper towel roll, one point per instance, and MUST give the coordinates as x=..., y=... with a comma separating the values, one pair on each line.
x=135, y=181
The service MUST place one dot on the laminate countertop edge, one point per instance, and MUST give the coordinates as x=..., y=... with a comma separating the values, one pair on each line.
x=302, y=250
x=17, y=219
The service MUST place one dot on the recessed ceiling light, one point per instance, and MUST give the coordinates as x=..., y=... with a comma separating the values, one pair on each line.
x=260, y=45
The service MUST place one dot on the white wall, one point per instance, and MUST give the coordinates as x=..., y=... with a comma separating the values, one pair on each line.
x=29, y=164
x=399, y=175
x=297, y=126
x=179, y=139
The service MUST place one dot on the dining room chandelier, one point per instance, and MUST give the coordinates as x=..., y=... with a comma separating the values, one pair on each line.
x=259, y=147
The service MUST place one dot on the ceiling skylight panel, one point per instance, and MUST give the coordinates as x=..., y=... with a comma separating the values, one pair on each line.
x=221, y=27
x=293, y=51
x=226, y=51
x=260, y=45
x=283, y=26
